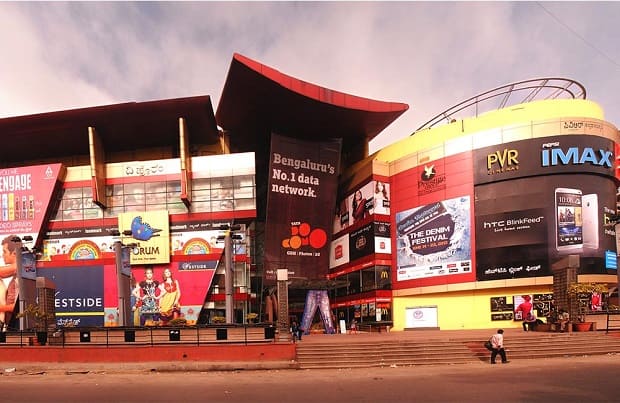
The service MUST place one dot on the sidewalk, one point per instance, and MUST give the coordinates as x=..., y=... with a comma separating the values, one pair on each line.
x=234, y=364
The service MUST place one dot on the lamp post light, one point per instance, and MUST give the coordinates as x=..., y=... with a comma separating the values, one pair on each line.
x=229, y=268
x=123, y=276
x=23, y=271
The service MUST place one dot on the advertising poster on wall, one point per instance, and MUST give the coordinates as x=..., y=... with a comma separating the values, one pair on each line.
x=525, y=225
x=544, y=156
x=421, y=317
x=339, y=251
x=434, y=239
x=25, y=195
x=301, y=196
x=150, y=231
x=383, y=242
x=79, y=295
x=191, y=280
x=361, y=242
x=371, y=198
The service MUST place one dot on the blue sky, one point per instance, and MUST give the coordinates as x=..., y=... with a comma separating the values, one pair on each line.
x=430, y=55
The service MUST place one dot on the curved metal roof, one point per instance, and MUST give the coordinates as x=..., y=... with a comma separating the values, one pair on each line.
x=515, y=93
x=258, y=98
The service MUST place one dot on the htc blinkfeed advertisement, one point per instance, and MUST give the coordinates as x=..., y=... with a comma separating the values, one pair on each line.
x=526, y=224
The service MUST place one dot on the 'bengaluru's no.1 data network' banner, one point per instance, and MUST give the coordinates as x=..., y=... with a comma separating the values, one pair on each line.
x=303, y=180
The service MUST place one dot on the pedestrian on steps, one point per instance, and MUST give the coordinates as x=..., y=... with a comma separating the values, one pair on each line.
x=497, y=342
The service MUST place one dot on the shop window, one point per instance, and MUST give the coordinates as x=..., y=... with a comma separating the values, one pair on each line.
x=112, y=212
x=384, y=278
x=176, y=208
x=200, y=206
x=354, y=282
x=201, y=184
x=155, y=187
x=243, y=181
x=201, y=195
x=245, y=204
x=368, y=279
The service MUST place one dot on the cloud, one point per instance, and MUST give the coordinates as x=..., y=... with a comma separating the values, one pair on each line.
x=430, y=55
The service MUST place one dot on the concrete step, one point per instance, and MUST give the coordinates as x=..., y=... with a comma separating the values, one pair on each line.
x=442, y=352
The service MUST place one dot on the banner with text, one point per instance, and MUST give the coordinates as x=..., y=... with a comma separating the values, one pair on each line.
x=303, y=180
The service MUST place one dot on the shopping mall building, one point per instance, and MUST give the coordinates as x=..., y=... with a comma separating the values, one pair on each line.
x=448, y=228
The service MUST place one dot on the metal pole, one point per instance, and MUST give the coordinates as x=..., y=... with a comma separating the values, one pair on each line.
x=118, y=249
x=21, y=290
x=228, y=279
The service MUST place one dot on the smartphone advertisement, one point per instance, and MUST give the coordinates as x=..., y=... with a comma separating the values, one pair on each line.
x=568, y=219
x=541, y=199
x=525, y=225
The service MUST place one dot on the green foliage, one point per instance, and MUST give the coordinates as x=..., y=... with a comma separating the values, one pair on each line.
x=37, y=314
x=178, y=322
x=218, y=319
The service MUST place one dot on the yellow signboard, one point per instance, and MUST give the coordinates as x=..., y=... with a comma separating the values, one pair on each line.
x=150, y=232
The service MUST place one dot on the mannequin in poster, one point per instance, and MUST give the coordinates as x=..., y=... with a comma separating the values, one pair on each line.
x=147, y=295
x=170, y=294
x=358, y=206
x=381, y=198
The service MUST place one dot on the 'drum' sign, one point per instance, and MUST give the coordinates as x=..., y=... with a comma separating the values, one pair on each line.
x=150, y=231
x=303, y=180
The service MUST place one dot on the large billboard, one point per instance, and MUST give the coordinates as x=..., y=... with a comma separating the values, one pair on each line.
x=525, y=225
x=25, y=195
x=560, y=193
x=434, y=239
x=371, y=198
x=25, y=203
x=303, y=180
x=544, y=156
x=86, y=294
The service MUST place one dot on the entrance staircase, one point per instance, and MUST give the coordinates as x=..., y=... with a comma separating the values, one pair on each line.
x=365, y=352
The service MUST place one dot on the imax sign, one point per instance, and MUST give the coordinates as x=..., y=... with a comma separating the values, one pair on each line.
x=575, y=156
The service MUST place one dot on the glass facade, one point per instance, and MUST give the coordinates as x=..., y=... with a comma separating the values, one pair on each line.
x=208, y=195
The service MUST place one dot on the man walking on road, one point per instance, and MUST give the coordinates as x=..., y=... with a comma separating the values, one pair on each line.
x=497, y=341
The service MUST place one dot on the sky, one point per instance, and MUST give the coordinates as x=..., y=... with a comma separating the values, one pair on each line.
x=429, y=55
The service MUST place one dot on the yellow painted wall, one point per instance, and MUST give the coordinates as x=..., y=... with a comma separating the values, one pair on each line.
x=463, y=310
x=521, y=114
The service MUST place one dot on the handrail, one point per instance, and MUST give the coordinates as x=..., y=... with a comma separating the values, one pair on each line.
x=609, y=313
x=149, y=335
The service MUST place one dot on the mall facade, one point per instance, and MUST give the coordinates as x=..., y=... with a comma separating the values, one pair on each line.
x=448, y=228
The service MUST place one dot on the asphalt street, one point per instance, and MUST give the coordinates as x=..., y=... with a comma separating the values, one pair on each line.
x=571, y=379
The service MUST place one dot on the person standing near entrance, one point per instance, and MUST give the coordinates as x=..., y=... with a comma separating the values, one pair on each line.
x=497, y=342
x=530, y=322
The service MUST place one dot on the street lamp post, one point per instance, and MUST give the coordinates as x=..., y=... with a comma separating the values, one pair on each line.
x=123, y=276
x=20, y=278
x=229, y=267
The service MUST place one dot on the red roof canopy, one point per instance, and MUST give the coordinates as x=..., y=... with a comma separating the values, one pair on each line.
x=122, y=127
x=259, y=99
